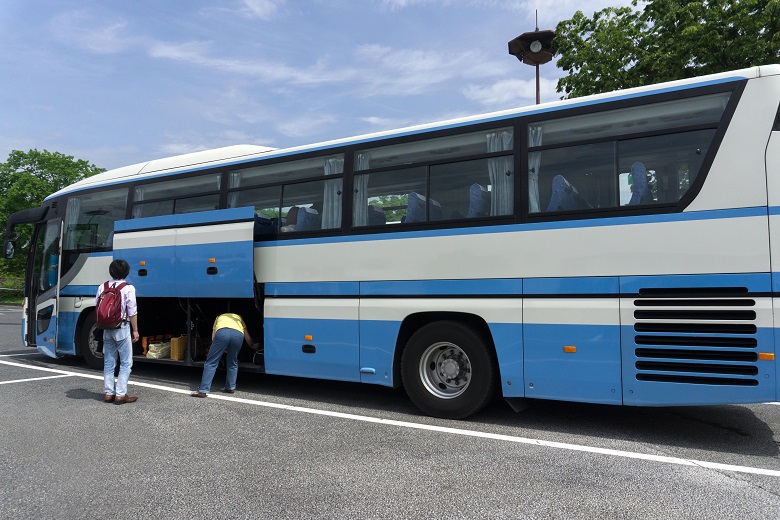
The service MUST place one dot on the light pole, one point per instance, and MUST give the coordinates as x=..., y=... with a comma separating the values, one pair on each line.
x=534, y=48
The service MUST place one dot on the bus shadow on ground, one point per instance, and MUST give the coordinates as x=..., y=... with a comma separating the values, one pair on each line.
x=727, y=428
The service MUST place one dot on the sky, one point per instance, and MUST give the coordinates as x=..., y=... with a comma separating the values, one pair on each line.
x=119, y=82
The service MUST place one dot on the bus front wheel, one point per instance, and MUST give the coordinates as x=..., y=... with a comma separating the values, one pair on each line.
x=88, y=345
x=448, y=371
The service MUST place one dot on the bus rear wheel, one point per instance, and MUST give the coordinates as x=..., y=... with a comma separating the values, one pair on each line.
x=89, y=347
x=448, y=371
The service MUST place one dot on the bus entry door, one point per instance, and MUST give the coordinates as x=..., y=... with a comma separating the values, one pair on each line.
x=42, y=288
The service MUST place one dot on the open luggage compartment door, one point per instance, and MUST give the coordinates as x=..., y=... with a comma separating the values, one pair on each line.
x=208, y=254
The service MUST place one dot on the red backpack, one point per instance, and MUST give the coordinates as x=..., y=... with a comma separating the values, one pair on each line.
x=109, y=307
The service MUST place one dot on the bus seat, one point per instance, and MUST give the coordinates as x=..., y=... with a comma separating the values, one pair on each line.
x=308, y=220
x=564, y=196
x=376, y=217
x=415, y=208
x=264, y=225
x=640, y=186
x=479, y=201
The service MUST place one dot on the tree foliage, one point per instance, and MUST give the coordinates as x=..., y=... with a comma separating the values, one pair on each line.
x=664, y=40
x=26, y=179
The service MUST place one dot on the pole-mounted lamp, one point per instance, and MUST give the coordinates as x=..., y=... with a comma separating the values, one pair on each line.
x=534, y=48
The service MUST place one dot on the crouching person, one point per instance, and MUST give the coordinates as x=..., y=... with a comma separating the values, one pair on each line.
x=227, y=336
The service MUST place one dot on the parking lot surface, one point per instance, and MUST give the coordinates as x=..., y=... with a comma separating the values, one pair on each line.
x=296, y=448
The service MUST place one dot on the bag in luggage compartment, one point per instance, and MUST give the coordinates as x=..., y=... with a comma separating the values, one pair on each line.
x=161, y=350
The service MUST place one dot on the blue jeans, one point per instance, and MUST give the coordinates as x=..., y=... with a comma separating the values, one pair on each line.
x=225, y=340
x=117, y=341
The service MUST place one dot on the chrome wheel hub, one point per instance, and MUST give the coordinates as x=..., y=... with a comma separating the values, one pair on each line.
x=445, y=370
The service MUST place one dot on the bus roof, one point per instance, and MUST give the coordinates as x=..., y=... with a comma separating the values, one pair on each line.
x=243, y=153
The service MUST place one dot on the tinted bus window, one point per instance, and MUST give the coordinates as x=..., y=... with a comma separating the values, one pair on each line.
x=177, y=196
x=89, y=219
x=614, y=169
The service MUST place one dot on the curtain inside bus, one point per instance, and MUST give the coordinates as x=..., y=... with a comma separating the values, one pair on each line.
x=500, y=170
x=534, y=161
x=331, y=206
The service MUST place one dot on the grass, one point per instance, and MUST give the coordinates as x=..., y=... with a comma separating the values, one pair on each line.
x=11, y=291
x=11, y=298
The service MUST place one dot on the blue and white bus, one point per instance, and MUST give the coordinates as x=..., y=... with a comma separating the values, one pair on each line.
x=614, y=249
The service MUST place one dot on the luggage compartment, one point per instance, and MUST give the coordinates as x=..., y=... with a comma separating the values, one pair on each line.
x=167, y=319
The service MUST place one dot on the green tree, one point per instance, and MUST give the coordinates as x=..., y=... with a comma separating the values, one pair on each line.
x=664, y=40
x=27, y=178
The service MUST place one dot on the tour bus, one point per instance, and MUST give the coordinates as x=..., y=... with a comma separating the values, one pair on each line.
x=614, y=249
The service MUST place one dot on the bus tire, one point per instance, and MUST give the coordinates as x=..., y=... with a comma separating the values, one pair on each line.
x=88, y=345
x=448, y=371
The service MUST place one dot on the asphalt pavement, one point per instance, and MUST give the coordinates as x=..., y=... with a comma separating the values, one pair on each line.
x=297, y=448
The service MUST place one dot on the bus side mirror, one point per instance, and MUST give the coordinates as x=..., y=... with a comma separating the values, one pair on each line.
x=8, y=249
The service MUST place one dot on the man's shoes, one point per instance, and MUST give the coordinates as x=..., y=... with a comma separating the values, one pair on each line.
x=122, y=399
x=108, y=398
x=228, y=391
x=198, y=394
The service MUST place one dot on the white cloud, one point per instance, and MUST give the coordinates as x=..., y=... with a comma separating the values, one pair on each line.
x=549, y=13
x=511, y=93
x=408, y=72
x=384, y=123
x=233, y=106
x=306, y=124
x=196, y=53
x=80, y=29
x=263, y=9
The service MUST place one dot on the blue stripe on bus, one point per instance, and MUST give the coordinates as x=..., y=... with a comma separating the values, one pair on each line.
x=508, y=341
x=584, y=286
x=534, y=226
x=505, y=286
x=754, y=282
x=579, y=285
x=601, y=285
x=332, y=353
x=79, y=290
x=312, y=289
x=591, y=373
x=377, y=350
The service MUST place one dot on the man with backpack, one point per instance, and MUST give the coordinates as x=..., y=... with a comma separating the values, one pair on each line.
x=117, y=315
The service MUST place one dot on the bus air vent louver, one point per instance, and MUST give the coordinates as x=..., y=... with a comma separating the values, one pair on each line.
x=700, y=336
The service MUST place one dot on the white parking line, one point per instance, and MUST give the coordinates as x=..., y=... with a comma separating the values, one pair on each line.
x=440, y=429
x=22, y=354
x=34, y=379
